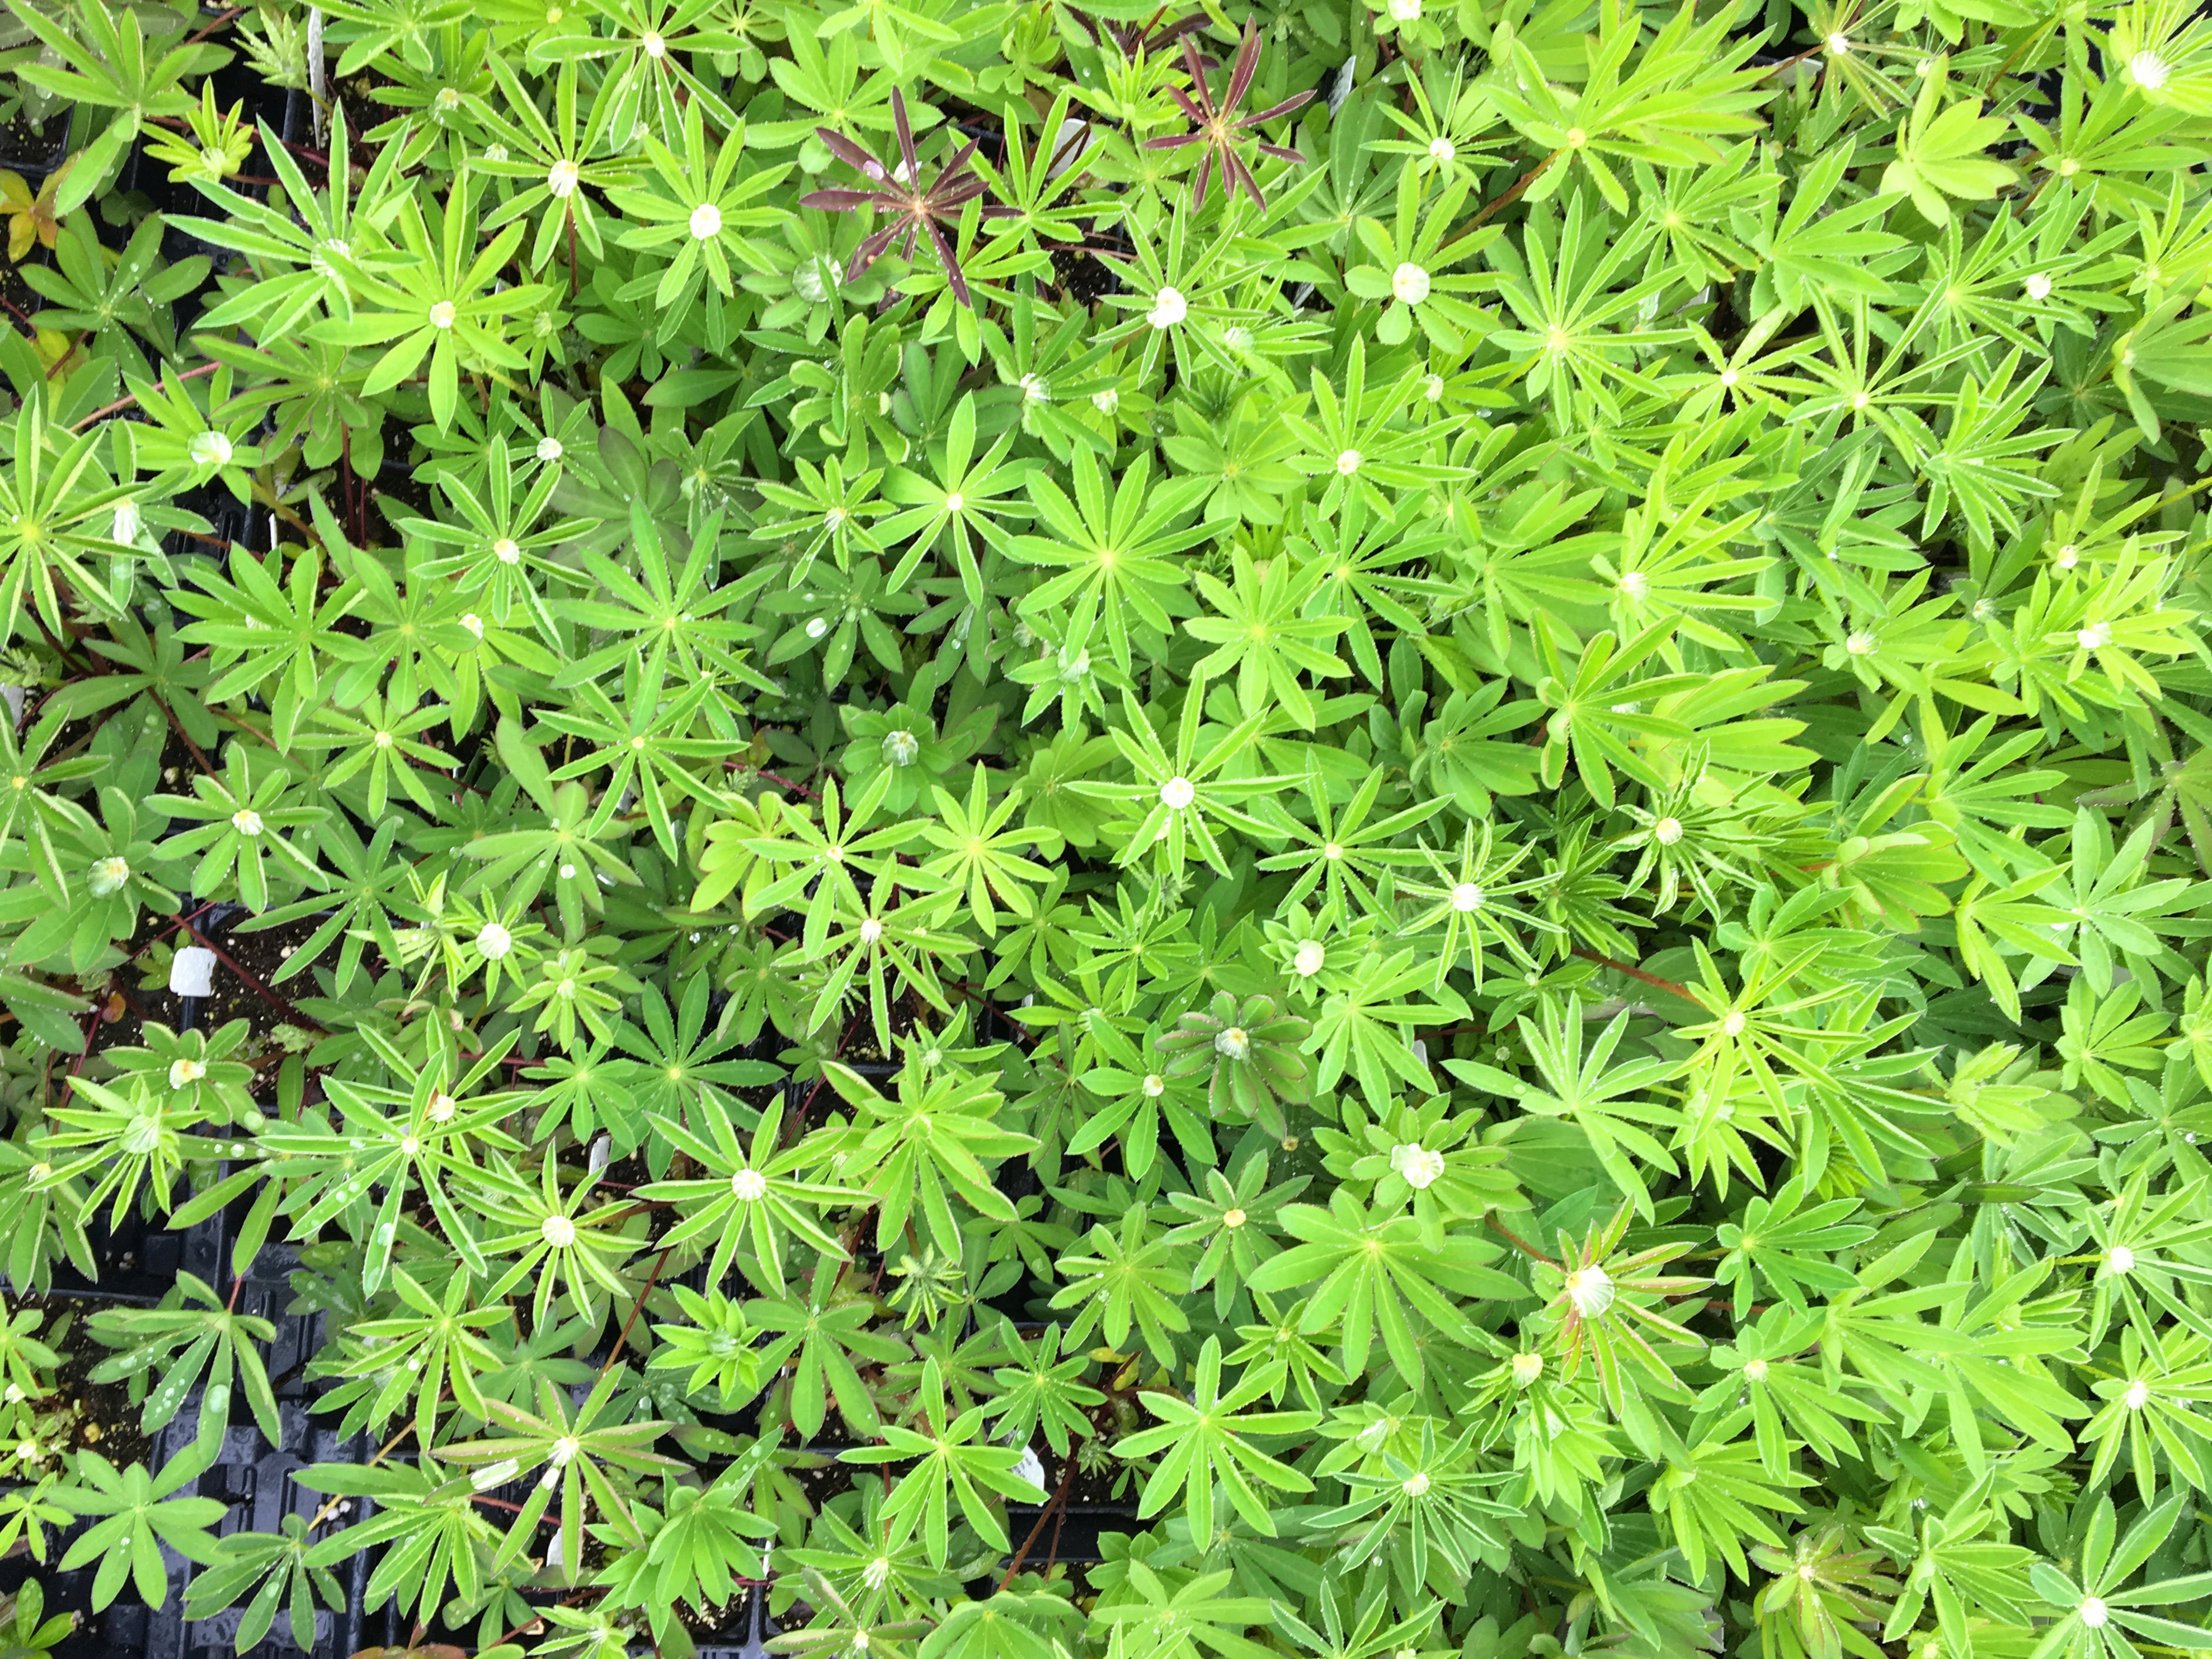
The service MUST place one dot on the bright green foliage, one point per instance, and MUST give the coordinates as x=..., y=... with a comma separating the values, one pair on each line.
x=1378, y=830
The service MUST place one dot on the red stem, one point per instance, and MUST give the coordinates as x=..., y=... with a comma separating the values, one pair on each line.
x=1520, y=1245
x=636, y=1307
x=1058, y=1499
x=125, y=403
x=269, y=996
x=1635, y=973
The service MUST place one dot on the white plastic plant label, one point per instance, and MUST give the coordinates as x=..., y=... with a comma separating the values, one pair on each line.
x=1070, y=145
x=192, y=971
x=1339, y=87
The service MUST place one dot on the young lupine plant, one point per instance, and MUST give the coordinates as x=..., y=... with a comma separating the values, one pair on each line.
x=700, y=205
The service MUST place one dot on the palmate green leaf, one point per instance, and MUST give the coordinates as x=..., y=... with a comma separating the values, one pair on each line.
x=1367, y=564
x=1129, y=1280
x=1279, y=1348
x=839, y=1625
x=2101, y=1038
x=580, y=1454
x=386, y=740
x=1367, y=1633
x=136, y=1514
x=412, y=1137
x=1717, y=1495
x=441, y=304
x=1684, y=83
x=749, y=1206
x=430, y=1347
x=2014, y=913
x=922, y=1147
x=704, y=1542
x=1953, y=1561
x=1042, y=1390
x=655, y=746
x=1979, y=794
x=964, y=503
x=1995, y=1347
x=852, y=609
x=1589, y=1092
x=948, y=1466
x=1006, y=1626
x=1246, y=465
x=1374, y=1273
x=2116, y=907
x=149, y=1129
x=556, y=1241
x=275, y=1567
x=1427, y=1158
x=569, y=850
x=264, y=624
x=829, y=857
x=1135, y=1094
x=437, y=1536
x=2096, y=1602
x=1201, y=1441
x=252, y=827
x=2171, y=355
x=1823, y=1587
x=1473, y=896
x=1673, y=564
x=43, y=1215
x=1986, y=465
x=1463, y=748
x=1788, y=1245
x=1263, y=628
x=977, y=860
x=1178, y=1621
x=167, y=1351
x=1354, y=847
x=1363, y=1030
x=676, y=1062
x=1249, y=1053
x=1598, y=706
x=830, y=1336
x=1878, y=1333
x=2183, y=788
x=1560, y=287
x=61, y=487
x=1820, y=249
x=2146, y=1242
x=2150, y=1409
x=1790, y=1401
x=115, y=74
x=1746, y=1046
x=1412, y=1501
x=1941, y=149
x=1175, y=800
x=1361, y=443
x=1438, y=299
